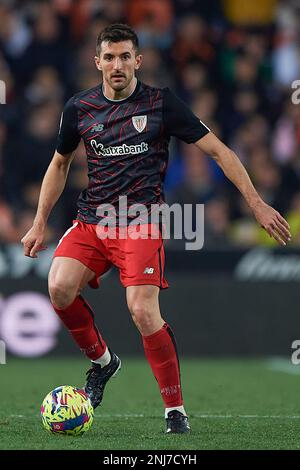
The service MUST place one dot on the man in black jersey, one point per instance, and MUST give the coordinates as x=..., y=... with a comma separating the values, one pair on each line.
x=126, y=127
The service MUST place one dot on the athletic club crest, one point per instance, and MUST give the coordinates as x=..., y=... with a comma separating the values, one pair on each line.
x=139, y=122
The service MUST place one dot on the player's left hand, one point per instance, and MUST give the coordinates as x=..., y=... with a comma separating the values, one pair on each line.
x=274, y=224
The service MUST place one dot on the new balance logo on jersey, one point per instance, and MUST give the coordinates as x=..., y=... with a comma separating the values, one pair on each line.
x=118, y=150
x=149, y=271
x=97, y=128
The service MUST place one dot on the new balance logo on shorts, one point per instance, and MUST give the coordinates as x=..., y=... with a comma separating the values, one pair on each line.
x=149, y=271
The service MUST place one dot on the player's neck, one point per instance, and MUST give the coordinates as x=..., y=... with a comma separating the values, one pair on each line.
x=114, y=95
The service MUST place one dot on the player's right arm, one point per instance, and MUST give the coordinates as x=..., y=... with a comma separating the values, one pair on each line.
x=52, y=187
x=54, y=180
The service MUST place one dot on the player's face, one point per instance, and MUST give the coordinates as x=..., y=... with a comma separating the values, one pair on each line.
x=118, y=62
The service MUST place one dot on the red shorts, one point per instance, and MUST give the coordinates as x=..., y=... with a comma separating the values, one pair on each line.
x=140, y=261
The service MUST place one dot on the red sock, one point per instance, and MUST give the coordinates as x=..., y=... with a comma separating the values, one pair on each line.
x=161, y=352
x=79, y=319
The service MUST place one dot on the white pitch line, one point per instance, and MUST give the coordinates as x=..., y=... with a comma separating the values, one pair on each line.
x=193, y=415
x=283, y=365
x=246, y=416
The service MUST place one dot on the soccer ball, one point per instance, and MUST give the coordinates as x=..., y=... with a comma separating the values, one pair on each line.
x=67, y=410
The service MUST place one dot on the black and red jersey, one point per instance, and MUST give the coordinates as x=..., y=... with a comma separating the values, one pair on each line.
x=126, y=143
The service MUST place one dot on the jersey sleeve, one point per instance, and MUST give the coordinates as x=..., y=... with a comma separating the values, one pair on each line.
x=180, y=121
x=68, y=136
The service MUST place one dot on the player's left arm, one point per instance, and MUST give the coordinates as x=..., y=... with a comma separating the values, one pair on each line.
x=274, y=224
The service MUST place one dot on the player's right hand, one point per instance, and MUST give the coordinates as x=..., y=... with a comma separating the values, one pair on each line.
x=33, y=241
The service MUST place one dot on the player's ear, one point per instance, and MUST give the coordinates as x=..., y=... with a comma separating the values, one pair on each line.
x=97, y=62
x=138, y=61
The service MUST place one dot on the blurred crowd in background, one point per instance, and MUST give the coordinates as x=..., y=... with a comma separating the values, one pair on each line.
x=232, y=61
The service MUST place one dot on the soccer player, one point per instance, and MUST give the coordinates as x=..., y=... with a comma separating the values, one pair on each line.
x=125, y=126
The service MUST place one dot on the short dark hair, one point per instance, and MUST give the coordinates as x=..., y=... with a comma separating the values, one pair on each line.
x=116, y=33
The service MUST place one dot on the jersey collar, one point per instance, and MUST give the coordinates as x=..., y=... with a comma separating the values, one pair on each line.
x=123, y=100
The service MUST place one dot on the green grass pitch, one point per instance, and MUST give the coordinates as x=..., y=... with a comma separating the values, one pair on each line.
x=232, y=404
